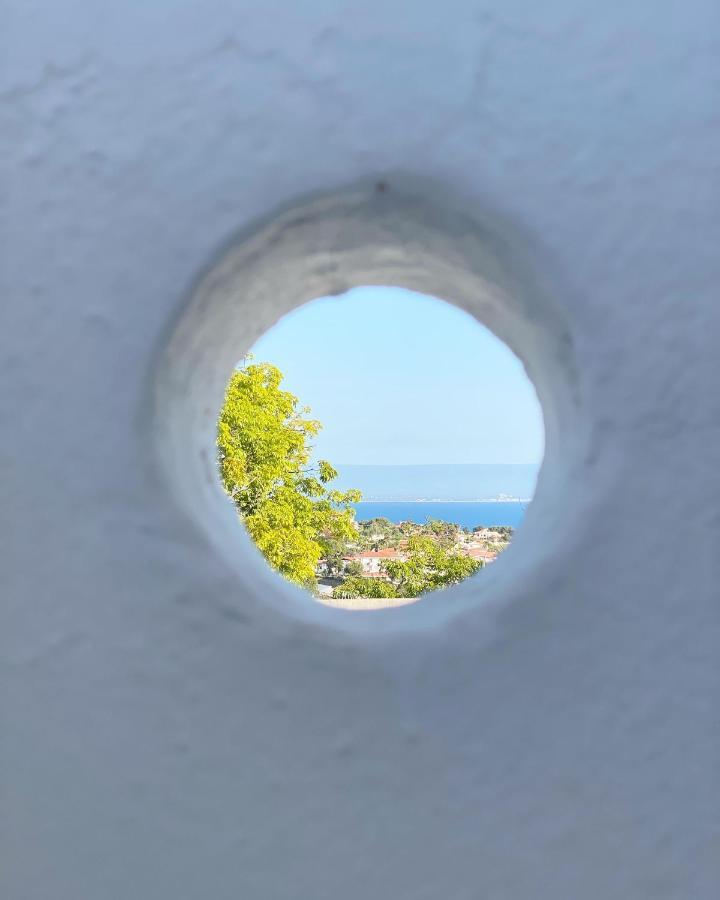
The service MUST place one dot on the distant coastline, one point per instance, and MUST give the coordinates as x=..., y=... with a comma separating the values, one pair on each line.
x=524, y=500
x=466, y=483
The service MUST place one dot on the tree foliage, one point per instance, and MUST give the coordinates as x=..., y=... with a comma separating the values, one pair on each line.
x=264, y=454
x=428, y=566
x=353, y=568
x=374, y=534
x=357, y=586
x=446, y=533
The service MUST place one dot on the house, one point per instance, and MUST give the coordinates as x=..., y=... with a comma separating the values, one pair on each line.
x=486, y=534
x=371, y=560
x=480, y=553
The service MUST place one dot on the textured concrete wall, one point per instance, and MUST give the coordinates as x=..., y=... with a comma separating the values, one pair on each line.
x=175, y=722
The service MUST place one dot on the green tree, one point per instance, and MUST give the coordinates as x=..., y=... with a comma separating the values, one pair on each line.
x=264, y=459
x=334, y=552
x=428, y=566
x=377, y=533
x=357, y=586
x=446, y=533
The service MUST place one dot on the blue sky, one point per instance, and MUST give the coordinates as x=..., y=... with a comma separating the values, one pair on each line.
x=401, y=378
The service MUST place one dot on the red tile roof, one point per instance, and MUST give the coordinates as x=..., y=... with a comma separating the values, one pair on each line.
x=480, y=553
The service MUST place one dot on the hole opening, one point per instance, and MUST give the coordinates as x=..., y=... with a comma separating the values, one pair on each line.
x=379, y=447
x=413, y=239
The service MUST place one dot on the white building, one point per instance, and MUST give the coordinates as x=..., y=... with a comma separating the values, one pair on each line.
x=372, y=560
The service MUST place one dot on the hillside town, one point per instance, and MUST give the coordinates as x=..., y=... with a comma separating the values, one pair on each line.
x=380, y=546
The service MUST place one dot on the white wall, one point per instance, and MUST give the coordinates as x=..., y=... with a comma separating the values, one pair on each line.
x=175, y=723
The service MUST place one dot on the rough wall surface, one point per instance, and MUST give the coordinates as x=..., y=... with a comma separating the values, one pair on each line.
x=168, y=730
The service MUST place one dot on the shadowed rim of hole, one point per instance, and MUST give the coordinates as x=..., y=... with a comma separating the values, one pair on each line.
x=377, y=233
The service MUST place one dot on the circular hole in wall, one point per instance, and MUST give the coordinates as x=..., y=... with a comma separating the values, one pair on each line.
x=414, y=238
x=379, y=447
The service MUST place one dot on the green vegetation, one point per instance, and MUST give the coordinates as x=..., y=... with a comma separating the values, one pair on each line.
x=376, y=534
x=429, y=566
x=263, y=455
x=379, y=533
x=504, y=532
x=357, y=586
x=301, y=525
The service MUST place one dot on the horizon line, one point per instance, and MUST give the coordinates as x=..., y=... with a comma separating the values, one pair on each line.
x=407, y=465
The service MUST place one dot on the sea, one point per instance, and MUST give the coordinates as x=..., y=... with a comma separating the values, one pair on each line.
x=469, y=495
x=467, y=513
